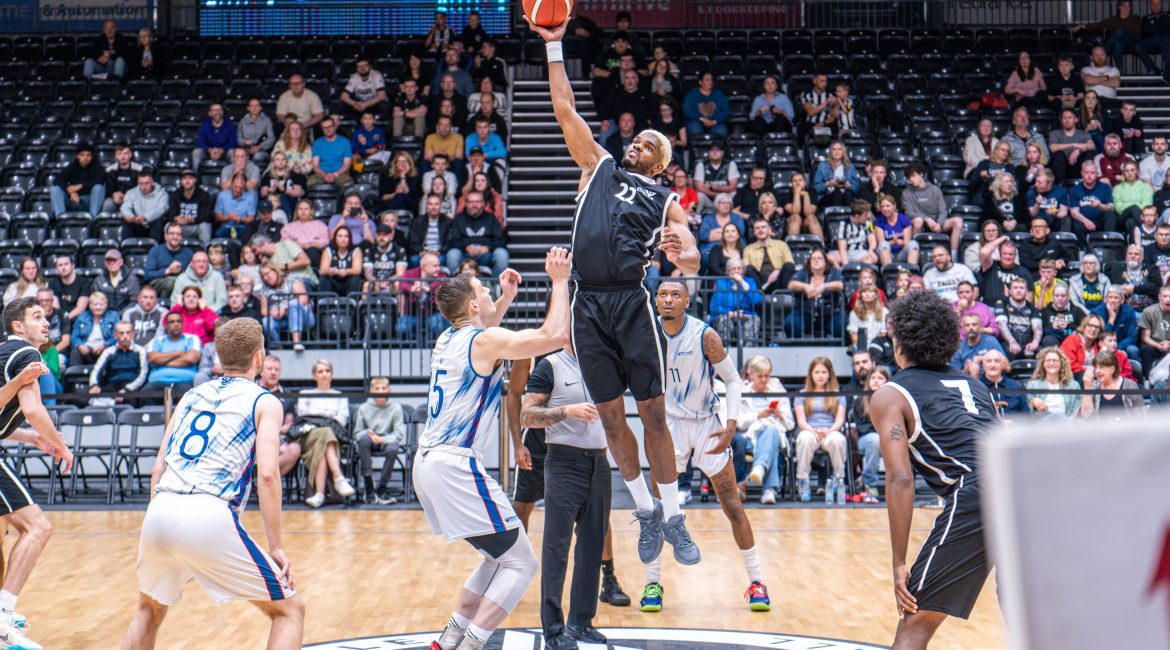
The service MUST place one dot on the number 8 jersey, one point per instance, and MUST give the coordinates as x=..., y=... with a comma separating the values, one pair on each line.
x=463, y=408
x=213, y=445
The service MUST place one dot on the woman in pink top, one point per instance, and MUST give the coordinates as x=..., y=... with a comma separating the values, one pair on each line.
x=307, y=231
x=1025, y=83
x=197, y=318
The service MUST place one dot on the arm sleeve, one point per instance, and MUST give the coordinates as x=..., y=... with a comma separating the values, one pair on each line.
x=541, y=380
x=726, y=371
x=143, y=370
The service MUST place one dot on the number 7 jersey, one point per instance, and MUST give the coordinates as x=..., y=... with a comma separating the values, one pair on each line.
x=212, y=447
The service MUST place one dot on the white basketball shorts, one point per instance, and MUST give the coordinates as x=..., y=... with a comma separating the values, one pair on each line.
x=198, y=537
x=692, y=438
x=460, y=498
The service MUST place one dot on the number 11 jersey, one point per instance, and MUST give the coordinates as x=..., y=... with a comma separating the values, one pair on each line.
x=212, y=448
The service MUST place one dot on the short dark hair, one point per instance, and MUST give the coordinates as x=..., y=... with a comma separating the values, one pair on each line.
x=925, y=328
x=454, y=294
x=860, y=206
x=915, y=168
x=15, y=311
x=482, y=119
x=438, y=155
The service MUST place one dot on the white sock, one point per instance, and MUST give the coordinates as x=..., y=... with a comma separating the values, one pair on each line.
x=641, y=493
x=7, y=601
x=654, y=570
x=460, y=621
x=477, y=633
x=751, y=562
x=669, y=492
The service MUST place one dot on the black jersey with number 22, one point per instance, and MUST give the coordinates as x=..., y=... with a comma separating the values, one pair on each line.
x=619, y=219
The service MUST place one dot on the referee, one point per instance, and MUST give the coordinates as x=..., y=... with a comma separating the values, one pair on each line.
x=577, y=493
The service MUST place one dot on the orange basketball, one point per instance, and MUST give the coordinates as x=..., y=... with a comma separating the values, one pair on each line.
x=548, y=13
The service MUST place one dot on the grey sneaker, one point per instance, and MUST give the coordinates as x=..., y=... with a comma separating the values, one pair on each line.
x=675, y=532
x=650, y=536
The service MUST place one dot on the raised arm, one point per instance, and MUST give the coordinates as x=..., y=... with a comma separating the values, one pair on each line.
x=509, y=285
x=677, y=241
x=893, y=422
x=578, y=136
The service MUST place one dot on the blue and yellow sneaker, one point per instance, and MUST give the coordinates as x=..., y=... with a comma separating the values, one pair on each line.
x=757, y=597
x=651, y=598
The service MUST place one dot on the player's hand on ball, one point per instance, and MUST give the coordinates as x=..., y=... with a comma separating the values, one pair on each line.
x=549, y=35
x=286, y=573
x=671, y=245
x=558, y=263
x=31, y=373
x=583, y=411
x=906, y=603
x=509, y=283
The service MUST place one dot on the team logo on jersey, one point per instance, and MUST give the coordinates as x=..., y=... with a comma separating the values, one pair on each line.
x=619, y=639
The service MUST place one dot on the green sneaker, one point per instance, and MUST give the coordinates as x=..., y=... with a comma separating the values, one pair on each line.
x=651, y=598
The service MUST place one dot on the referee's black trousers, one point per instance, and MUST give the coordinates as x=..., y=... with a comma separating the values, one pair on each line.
x=576, y=493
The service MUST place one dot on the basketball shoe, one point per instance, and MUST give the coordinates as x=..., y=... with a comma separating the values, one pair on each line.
x=650, y=537
x=651, y=598
x=13, y=638
x=757, y=597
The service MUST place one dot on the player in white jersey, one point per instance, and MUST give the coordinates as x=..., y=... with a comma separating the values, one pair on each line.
x=694, y=355
x=223, y=434
x=459, y=497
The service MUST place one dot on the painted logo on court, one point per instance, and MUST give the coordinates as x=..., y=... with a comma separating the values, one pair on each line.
x=619, y=639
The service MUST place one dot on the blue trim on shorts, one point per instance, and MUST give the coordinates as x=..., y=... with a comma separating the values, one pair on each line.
x=275, y=591
x=492, y=510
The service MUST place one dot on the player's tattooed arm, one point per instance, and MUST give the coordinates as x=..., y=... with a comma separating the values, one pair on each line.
x=897, y=432
x=713, y=347
x=536, y=414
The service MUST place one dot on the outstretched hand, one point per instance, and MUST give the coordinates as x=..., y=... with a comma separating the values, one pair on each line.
x=671, y=245
x=509, y=283
x=558, y=263
x=549, y=35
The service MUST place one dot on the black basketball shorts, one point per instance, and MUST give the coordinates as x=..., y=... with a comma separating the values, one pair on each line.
x=618, y=341
x=529, y=485
x=13, y=494
x=952, y=566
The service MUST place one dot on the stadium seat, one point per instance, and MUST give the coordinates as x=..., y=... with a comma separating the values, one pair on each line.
x=1107, y=246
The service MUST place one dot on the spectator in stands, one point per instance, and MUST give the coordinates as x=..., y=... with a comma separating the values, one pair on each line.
x=1145, y=232
x=417, y=311
x=144, y=206
x=1065, y=88
x=1121, y=31
x=1131, y=129
x=453, y=66
x=969, y=303
x=477, y=234
x=801, y=212
x=322, y=420
x=855, y=239
x=1047, y=201
x=1035, y=162
x=440, y=167
x=706, y=108
x=1155, y=331
x=842, y=111
x=1100, y=77
x=295, y=145
x=341, y=265
x=60, y=334
x=730, y=247
x=190, y=206
x=399, y=188
x=217, y=135
x=819, y=309
x=332, y=157
x=1087, y=288
x=306, y=231
x=767, y=260
x=945, y=275
x=619, y=140
x=868, y=442
x=979, y=145
x=1042, y=246
x=1104, y=373
x=173, y=356
x=379, y=428
x=820, y=422
x=1020, y=325
x=146, y=315
x=487, y=88
x=836, y=179
x=999, y=162
x=1060, y=317
x=446, y=89
x=868, y=315
x=288, y=258
x=1025, y=85
x=1004, y=204
x=893, y=230
x=733, y=303
x=771, y=111
x=765, y=419
x=988, y=231
x=72, y=290
x=300, y=103
x=353, y=216
x=629, y=97
x=1081, y=346
x=93, y=330
x=1111, y=160
x=217, y=257
x=368, y=142
x=107, y=57
x=269, y=380
x=27, y=283
x=664, y=77
x=715, y=176
x=386, y=259
x=284, y=305
x=199, y=273
x=878, y=183
x=1130, y=196
x=1091, y=204
x=444, y=141
x=146, y=60
x=237, y=304
x=1121, y=319
x=1155, y=37
x=688, y=198
x=668, y=124
x=198, y=320
x=1092, y=117
x=710, y=229
x=240, y=165
x=409, y=109
x=280, y=180
x=747, y=199
x=121, y=177
x=817, y=103
x=430, y=232
x=1021, y=135
x=118, y=286
x=1152, y=168
x=608, y=66
x=992, y=366
x=493, y=202
x=1053, y=374
x=1140, y=282
x=477, y=163
x=487, y=108
x=365, y=90
x=491, y=144
x=254, y=132
x=1156, y=256
x=122, y=367
x=974, y=345
x=235, y=210
x=923, y=202
x=439, y=188
x=439, y=36
x=485, y=64
x=80, y=186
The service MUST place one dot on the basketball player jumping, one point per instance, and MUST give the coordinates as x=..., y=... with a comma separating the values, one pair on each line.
x=223, y=433
x=621, y=215
x=693, y=353
x=20, y=396
x=459, y=497
x=931, y=417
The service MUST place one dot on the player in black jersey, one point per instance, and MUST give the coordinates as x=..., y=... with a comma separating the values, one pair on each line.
x=931, y=417
x=623, y=215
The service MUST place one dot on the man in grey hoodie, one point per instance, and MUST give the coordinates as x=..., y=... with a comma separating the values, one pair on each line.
x=144, y=206
x=923, y=202
x=378, y=428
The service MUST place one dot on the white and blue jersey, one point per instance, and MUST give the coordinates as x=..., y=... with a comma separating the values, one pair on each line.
x=463, y=408
x=690, y=391
x=212, y=448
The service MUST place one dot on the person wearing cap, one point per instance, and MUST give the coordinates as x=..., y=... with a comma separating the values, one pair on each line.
x=492, y=145
x=190, y=207
x=81, y=185
x=119, y=286
x=212, y=289
x=386, y=259
x=706, y=108
x=270, y=219
x=715, y=176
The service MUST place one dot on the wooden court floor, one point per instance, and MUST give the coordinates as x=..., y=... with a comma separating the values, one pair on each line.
x=369, y=572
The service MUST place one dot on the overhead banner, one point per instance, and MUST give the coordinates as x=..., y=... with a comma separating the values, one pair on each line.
x=20, y=16
x=678, y=14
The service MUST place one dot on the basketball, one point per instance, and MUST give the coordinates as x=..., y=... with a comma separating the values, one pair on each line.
x=548, y=13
